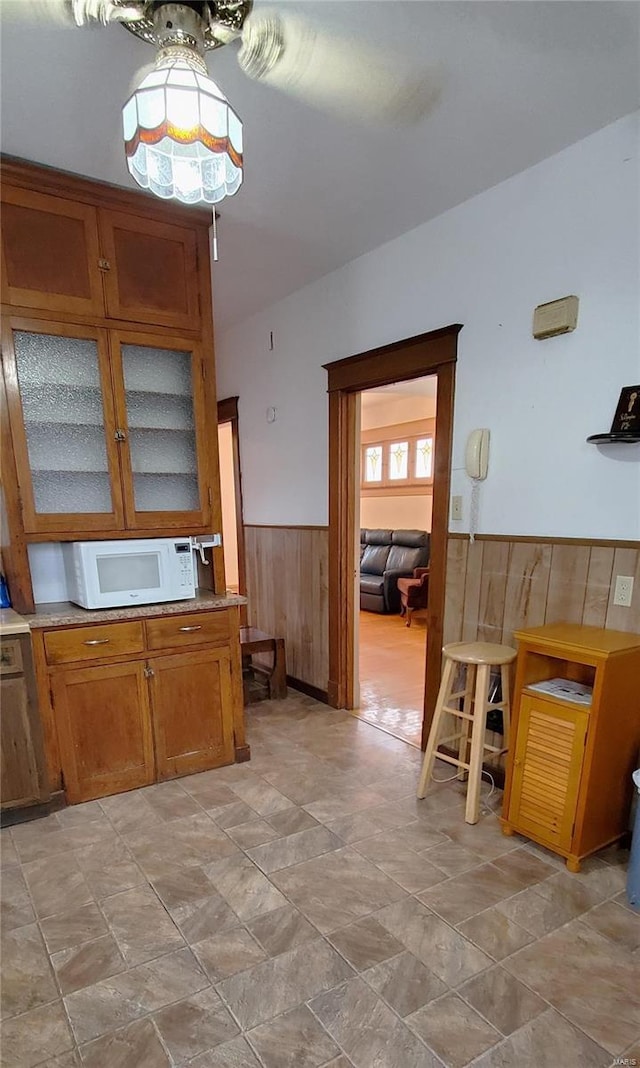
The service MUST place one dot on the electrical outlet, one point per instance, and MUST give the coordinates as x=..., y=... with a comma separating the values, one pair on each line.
x=623, y=590
x=456, y=507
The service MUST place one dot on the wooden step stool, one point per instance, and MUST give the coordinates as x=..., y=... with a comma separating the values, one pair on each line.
x=253, y=641
x=477, y=659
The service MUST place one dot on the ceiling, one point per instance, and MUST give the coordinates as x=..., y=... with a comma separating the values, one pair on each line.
x=518, y=82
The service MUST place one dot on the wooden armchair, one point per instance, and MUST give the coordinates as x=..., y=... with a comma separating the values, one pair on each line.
x=414, y=592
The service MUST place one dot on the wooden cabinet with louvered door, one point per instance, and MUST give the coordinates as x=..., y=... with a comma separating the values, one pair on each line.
x=151, y=271
x=61, y=416
x=160, y=407
x=575, y=738
x=547, y=768
x=192, y=708
x=104, y=729
x=50, y=253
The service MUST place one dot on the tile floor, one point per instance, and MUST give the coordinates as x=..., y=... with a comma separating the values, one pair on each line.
x=303, y=910
x=391, y=670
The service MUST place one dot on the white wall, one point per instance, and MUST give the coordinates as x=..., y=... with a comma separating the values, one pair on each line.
x=568, y=225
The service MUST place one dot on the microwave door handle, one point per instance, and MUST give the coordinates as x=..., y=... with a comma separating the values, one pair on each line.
x=98, y=641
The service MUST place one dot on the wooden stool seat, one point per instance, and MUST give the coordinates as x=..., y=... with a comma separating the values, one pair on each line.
x=476, y=660
x=254, y=641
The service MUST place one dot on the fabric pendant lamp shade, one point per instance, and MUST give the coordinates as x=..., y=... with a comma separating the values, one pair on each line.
x=182, y=139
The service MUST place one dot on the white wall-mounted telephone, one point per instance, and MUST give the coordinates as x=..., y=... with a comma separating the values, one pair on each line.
x=476, y=457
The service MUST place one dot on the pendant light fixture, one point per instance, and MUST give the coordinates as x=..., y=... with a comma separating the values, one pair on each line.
x=182, y=139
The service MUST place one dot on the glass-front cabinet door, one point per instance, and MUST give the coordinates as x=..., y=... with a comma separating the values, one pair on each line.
x=62, y=423
x=161, y=419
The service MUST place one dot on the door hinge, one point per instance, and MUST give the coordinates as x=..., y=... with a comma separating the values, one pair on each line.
x=104, y=265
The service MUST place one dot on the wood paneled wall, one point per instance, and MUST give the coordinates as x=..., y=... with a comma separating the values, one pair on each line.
x=494, y=586
x=497, y=586
x=288, y=593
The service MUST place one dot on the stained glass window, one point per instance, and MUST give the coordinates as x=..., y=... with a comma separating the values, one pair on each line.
x=424, y=458
x=399, y=460
x=373, y=464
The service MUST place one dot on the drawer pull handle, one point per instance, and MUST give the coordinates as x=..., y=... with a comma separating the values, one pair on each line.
x=187, y=630
x=98, y=641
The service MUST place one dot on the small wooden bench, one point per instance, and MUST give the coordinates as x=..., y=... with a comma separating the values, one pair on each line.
x=254, y=641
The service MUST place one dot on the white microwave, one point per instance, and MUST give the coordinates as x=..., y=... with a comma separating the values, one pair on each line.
x=111, y=574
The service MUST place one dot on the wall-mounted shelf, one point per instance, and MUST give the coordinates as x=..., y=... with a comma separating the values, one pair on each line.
x=624, y=437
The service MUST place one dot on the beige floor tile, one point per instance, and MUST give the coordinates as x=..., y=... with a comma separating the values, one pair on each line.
x=525, y=867
x=121, y=999
x=27, y=976
x=404, y=983
x=135, y=1046
x=56, y=884
x=193, y=841
x=453, y=1030
x=204, y=917
x=546, y=1042
x=234, y=1054
x=36, y=1036
x=281, y=930
x=343, y=802
x=170, y=801
x=261, y=796
x=140, y=924
x=87, y=964
x=182, y=886
x=251, y=834
x=400, y=862
x=65, y=1060
x=39, y=839
x=194, y=1025
x=231, y=815
x=442, y=949
x=368, y=822
x=365, y=943
x=337, y=888
x=467, y=894
x=616, y=923
x=451, y=858
x=228, y=952
x=367, y=1030
x=108, y=868
x=281, y=983
x=502, y=1000
x=244, y=887
x=128, y=812
x=291, y=821
x=69, y=929
x=295, y=848
x=588, y=979
x=8, y=855
x=293, y=1040
x=495, y=933
x=16, y=909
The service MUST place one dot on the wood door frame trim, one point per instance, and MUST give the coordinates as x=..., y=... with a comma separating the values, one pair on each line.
x=228, y=413
x=426, y=354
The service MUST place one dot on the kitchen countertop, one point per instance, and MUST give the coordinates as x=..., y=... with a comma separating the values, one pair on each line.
x=12, y=623
x=65, y=614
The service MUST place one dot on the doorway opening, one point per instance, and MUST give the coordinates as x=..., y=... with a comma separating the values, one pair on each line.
x=231, y=499
x=395, y=498
x=434, y=354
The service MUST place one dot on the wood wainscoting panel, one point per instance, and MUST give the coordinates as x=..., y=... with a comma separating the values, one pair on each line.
x=568, y=583
x=525, y=597
x=287, y=590
x=596, y=598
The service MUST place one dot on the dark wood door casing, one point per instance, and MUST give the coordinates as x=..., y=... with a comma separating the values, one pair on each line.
x=426, y=354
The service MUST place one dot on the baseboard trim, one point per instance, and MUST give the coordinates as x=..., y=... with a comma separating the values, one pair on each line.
x=9, y=817
x=308, y=689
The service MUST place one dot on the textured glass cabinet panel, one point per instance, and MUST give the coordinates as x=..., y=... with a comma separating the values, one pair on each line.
x=61, y=395
x=162, y=436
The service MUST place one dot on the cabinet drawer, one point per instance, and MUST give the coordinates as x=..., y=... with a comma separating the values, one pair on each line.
x=193, y=629
x=93, y=643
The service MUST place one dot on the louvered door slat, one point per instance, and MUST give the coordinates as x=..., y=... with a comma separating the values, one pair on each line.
x=547, y=767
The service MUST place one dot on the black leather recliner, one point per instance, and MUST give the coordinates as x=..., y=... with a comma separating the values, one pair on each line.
x=385, y=555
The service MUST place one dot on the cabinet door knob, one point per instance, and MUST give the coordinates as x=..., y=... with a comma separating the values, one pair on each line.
x=104, y=265
x=98, y=641
x=120, y=435
x=187, y=630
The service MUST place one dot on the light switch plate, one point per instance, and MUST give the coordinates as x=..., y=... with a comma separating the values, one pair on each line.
x=456, y=507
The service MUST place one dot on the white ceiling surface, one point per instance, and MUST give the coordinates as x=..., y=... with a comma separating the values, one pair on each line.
x=519, y=81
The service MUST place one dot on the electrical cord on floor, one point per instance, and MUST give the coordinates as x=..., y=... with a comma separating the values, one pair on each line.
x=485, y=802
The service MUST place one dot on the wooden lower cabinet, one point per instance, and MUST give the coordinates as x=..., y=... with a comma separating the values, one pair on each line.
x=104, y=729
x=146, y=709
x=22, y=771
x=192, y=703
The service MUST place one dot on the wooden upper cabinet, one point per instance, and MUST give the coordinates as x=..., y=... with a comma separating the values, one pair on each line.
x=50, y=253
x=152, y=274
x=61, y=416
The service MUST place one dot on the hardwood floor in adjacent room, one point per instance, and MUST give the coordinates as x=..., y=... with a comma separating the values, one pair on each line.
x=392, y=672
